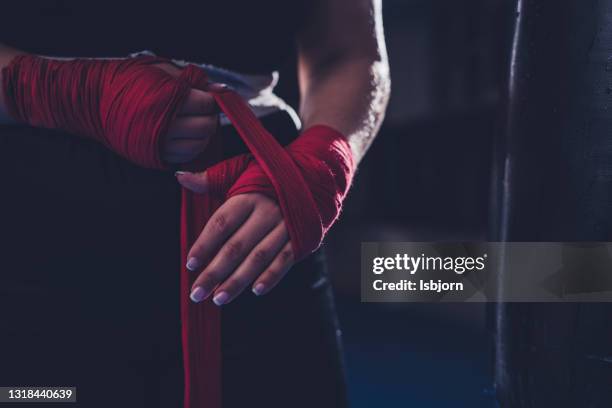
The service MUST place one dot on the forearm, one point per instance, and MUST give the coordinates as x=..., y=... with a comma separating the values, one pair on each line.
x=351, y=96
x=6, y=55
x=343, y=70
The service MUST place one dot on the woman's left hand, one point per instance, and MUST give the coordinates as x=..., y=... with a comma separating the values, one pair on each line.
x=245, y=242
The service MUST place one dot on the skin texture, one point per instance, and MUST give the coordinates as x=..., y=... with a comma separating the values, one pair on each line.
x=344, y=83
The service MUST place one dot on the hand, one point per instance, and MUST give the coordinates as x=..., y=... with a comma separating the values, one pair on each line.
x=244, y=243
x=196, y=122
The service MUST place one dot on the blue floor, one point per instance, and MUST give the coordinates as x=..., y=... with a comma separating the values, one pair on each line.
x=416, y=355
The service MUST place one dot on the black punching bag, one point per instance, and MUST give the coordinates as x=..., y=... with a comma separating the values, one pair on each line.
x=553, y=171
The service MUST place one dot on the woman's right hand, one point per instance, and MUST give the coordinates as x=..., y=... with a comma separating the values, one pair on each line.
x=195, y=124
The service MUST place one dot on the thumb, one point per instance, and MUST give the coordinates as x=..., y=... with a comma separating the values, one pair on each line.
x=217, y=179
x=196, y=182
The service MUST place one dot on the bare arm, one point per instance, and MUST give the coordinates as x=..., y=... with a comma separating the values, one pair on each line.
x=343, y=69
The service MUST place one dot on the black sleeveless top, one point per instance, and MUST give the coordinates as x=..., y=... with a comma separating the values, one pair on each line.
x=250, y=36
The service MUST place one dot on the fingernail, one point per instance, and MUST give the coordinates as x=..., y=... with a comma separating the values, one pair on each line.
x=221, y=298
x=217, y=87
x=259, y=289
x=180, y=173
x=193, y=264
x=197, y=295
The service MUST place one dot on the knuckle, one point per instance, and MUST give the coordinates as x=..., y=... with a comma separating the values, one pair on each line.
x=233, y=249
x=219, y=223
x=261, y=256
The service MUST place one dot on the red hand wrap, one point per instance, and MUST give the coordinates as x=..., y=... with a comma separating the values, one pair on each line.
x=323, y=162
x=128, y=105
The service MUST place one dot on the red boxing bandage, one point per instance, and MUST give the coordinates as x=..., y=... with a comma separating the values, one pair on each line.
x=128, y=106
x=324, y=161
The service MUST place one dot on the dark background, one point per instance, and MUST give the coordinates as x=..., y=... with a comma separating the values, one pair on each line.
x=426, y=178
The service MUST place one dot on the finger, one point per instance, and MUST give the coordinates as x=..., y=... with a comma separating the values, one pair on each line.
x=233, y=253
x=199, y=103
x=193, y=127
x=217, y=179
x=275, y=272
x=255, y=263
x=196, y=182
x=223, y=223
x=183, y=150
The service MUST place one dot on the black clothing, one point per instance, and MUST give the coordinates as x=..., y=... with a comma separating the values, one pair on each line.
x=243, y=35
x=89, y=258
